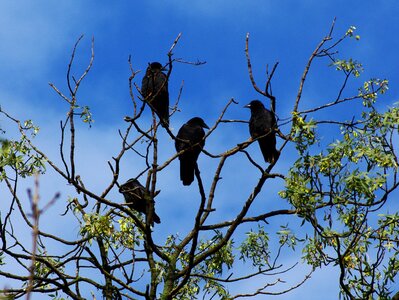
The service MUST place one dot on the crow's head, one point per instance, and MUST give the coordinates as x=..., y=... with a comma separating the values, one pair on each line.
x=156, y=66
x=255, y=105
x=197, y=121
x=129, y=185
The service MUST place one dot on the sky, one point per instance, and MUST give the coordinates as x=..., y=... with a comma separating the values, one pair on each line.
x=37, y=39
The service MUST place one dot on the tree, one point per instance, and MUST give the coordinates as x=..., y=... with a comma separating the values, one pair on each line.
x=338, y=192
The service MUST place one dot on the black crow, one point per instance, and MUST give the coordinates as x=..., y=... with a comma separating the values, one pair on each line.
x=263, y=123
x=154, y=88
x=136, y=196
x=190, y=134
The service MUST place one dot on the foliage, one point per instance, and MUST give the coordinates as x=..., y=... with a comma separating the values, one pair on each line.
x=340, y=190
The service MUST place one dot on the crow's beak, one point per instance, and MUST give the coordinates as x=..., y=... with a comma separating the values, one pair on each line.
x=205, y=126
x=247, y=106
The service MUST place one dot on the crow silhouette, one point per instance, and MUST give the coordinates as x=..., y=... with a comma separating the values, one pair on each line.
x=262, y=125
x=136, y=196
x=190, y=138
x=154, y=88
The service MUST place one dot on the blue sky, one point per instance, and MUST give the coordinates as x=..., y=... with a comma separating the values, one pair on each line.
x=36, y=42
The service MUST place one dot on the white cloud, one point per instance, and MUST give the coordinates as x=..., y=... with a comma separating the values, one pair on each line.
x=35, y=35
x=31, y=32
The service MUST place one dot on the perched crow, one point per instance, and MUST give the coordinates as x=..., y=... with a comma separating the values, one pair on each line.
x=136, y=196
x=190, y=134
x=154, y=88
x=263, y=122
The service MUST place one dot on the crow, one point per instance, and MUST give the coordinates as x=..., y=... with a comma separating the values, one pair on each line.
x=154, y=88
x=190, y=134
x=263, y=124
x=136, y=196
